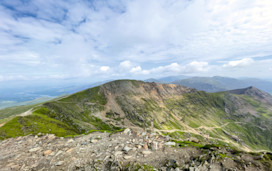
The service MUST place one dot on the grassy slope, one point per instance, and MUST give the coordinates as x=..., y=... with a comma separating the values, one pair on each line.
x=67, y=116
x=34, y=124
x=8, y=112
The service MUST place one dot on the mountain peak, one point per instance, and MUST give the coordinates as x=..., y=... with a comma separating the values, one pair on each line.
x=255, y=93
x=248, y=91
x=145, y=88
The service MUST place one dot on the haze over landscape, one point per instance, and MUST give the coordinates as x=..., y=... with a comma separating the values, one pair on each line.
x=136, y=85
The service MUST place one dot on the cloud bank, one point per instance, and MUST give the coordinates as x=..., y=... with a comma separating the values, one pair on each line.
x=104, y=39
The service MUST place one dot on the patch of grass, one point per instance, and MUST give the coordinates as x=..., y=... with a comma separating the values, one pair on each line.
x=148, y=168
x=188, y=143
x=222, y=155
x=34, y=124
x=175, y=135
x=92, y=95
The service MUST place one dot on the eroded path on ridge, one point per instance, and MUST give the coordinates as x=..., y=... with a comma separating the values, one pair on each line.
x=28, y=112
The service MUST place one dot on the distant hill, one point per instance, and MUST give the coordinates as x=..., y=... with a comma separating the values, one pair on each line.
x=216, y=84
x=17, y=95
x=168, y=79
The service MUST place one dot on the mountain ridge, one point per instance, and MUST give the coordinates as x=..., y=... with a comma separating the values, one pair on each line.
x=168, y=109
x=218, y=83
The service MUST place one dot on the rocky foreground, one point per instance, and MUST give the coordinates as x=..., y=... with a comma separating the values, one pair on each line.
x=127, y=150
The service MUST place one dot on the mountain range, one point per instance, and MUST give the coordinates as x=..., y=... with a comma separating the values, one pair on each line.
x=216, y=83
x=241, y=118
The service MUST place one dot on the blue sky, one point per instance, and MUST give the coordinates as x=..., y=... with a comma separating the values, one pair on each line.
x=99, y=40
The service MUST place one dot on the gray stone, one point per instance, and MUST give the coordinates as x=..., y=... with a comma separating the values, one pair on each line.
x=84, y=143
x=93, y=140
x=170, y=143
x=127, y=131
x=127, y=157
x=147, y=152
x=126, y=149
x=118, y=153
x=34, y=149
x=59, y=163
x=154, y=145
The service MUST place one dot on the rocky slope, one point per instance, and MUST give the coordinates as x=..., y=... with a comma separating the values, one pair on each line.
x=128, y=150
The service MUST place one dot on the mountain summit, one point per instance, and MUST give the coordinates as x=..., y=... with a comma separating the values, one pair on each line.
x=254, y=93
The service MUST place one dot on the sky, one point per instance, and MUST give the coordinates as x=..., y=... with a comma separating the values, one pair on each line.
x=97, y=40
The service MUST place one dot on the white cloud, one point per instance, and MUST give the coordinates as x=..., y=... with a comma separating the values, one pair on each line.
x=104, y=68
x=196, y=66
x=173, y=68
x=136, y=69
x=82, y=38
x=239, y=63
x=126, y=64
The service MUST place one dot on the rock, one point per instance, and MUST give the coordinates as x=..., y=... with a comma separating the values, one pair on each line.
x=154, y=145
x=170, y=143
x=191, y=169
x=70, y=150
x=93, y=140
x=143, y=133
x=84, y=143
x=15, y=167
x=160, y=145
x=193, y=139
x=70, y=141
x=163, y=169
x=126, y=149
x=51, y=137
x=147, y=152
x=145, y=146
x=127, y=131
x=47, y=152
x=59, y=152
x=34, y=149
x=127, y=157
x=139, y=146
x=118, y=153
x=59, y=163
